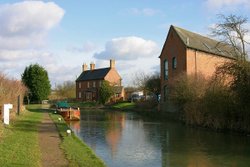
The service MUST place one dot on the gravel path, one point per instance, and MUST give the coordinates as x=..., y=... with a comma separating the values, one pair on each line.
x=49, y=141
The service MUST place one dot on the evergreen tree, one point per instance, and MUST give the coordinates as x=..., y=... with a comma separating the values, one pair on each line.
x=36, y=79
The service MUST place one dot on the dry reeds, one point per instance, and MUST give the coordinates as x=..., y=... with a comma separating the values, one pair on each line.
x=210, y=103
x=10, y=89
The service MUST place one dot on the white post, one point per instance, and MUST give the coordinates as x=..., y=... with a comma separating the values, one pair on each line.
x=6, y=113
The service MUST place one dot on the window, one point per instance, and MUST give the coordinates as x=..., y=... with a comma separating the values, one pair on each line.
x=174, y=63
x=100, y=83
x=166, y=69
x=165, y=92
x=80, y=85
x=88, y=84
x=89, y=96
x=80, y=94
x=94, y=84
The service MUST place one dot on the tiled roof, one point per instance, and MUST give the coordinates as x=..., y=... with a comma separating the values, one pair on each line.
x=202, y=43
x=93, y=74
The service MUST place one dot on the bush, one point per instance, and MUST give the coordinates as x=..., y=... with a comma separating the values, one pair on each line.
x=147, y=104
x=106, y=91
x=212, y=103
x=10, y=89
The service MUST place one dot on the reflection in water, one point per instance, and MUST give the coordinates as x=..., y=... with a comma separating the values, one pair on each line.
x=114, y=131
x=125, y=139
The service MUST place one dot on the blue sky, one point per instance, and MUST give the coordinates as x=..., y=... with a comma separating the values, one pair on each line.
x=61, y=35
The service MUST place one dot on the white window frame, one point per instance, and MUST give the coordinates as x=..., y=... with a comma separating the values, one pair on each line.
x=165, y=66
x=174, y=62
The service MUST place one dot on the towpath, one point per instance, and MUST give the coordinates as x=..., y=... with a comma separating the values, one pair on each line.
x=49, y=141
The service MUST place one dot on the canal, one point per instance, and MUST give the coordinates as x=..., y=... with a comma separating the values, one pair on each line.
x=129, y=140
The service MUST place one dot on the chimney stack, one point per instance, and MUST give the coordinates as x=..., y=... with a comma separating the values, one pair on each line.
x=84, y=67
x=112, y=63
x=92, y=66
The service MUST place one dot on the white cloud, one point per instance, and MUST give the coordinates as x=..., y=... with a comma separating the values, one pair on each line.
x=143, y=12
x=218, y=4
x=14, y=62
x=128, y=48
x=23, y=30
x=26, y=24
x=60, y=73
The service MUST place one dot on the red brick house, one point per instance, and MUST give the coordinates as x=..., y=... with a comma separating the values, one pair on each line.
x=89, y=82
x=185, y=52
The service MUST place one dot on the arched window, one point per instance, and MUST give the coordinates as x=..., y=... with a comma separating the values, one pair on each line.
x=165, y=69
x=174, y=63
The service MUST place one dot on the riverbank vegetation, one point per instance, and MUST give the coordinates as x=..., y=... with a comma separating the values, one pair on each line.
x=211, y=103
x=78, y=153
x=124, y=106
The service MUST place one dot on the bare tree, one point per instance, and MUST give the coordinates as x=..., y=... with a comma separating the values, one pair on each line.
x=231, y=29
x=140, y=79
x=66, y=90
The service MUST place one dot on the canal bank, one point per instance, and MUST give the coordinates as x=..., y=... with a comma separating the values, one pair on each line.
x=32, y=137
x=77, y=152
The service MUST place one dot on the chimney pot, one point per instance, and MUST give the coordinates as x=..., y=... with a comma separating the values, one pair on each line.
x=92, y=66
x=112, y=63
x=84, y=67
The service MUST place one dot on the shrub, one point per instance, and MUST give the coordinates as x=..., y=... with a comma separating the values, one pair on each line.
x=10, y=89
x=212, y=103
x=106, y=91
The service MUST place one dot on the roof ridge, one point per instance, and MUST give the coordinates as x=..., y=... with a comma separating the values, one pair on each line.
x=195, y=33
x=93, y=74
x=203, y=43
x=96, y=69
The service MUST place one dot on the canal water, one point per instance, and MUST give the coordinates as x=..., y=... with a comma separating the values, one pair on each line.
x=129, y=140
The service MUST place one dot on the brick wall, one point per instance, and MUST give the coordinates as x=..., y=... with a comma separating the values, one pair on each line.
x=204, y=63
x=173, y=47
x=113, y=77
x=189, y=61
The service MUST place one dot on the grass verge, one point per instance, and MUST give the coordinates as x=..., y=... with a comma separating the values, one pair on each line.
x=19, y=144
x=124, y=106
x=78, y=153
x=84, y=104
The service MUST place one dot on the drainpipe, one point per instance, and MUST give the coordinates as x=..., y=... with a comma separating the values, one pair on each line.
x=195, y=60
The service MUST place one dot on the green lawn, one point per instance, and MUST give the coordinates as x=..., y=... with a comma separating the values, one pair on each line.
x=19, y=144
x=124, y=105
x=84, y=104
x=78, y=153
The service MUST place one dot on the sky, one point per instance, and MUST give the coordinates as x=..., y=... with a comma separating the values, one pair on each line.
x=61, y=35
